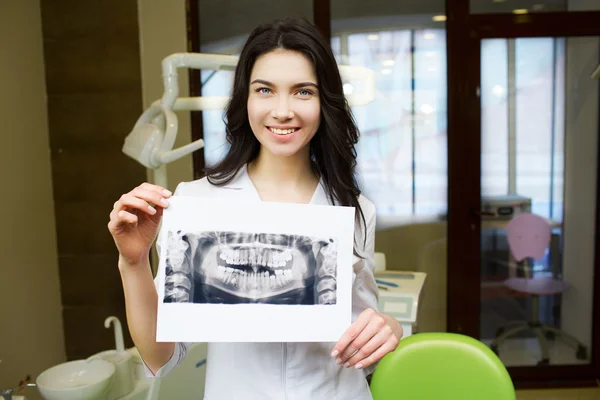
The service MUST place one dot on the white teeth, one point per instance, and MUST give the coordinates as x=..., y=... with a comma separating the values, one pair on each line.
x=264, y=257
x=283, y=131
x=250, y=281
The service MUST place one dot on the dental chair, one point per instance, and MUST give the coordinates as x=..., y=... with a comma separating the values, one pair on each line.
x=528, y=237
x=441, y=366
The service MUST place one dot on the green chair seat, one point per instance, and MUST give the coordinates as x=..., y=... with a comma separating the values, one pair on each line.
x=441, y=366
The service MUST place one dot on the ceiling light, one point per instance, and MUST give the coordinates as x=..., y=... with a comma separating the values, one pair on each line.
x=373, y=36
x=388, y=63
x=439, y=18
x=498, y=90
x=426, y=109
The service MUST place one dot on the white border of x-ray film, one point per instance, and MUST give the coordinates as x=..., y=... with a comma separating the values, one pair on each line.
x=192, y=322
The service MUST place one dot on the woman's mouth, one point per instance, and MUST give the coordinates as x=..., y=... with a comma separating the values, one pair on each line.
x=283, y=132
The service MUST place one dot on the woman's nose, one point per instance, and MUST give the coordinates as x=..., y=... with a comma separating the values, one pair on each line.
x=283, y=110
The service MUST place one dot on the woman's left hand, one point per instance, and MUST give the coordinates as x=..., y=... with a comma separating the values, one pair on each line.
x=367, y=340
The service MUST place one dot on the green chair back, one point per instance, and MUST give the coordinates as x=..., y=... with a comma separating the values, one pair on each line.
x=441, y=366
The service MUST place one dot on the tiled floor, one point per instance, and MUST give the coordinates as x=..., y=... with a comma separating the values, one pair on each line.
x=560, y=394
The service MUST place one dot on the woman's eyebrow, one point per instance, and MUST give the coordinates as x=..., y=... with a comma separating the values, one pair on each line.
x=297, y=85
x=301, y=84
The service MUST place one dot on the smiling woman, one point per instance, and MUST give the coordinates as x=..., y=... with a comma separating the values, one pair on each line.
x=287, y=78
x=292, y=138
x=283, y=103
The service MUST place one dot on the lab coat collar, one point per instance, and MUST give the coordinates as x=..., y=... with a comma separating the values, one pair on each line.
x=242, y=181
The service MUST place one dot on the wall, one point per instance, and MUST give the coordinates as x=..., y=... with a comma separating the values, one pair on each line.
x=223, y=20
x=31, y=331
x=94, y=97
x=156, y=44
x=581, y=166
x=93, y=79
x=420, y=246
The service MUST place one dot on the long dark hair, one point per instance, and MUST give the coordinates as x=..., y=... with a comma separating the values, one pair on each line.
x=332, y=150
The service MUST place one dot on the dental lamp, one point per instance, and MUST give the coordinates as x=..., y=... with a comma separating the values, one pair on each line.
x=152, y=138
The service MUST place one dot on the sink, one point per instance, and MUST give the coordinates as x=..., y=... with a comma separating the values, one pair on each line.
x=77, y=380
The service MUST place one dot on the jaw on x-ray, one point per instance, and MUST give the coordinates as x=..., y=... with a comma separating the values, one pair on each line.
x=235, y=268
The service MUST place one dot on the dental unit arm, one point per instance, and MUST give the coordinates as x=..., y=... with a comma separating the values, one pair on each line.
x=153, y=136
x=596, y=73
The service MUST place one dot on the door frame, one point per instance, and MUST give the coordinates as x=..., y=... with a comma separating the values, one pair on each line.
x=464, y=34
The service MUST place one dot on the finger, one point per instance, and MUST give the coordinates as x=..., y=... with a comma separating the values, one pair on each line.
x=119, y=218
x=352, y=332
x=375, y=342
x=389, y=346
x=130, y=202
x=150, y=196
x=156, y=188
x=113, y=216
x=126, y=217
x=373, y=328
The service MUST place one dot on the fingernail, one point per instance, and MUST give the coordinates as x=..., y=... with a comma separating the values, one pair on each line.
x=167, y=192
x=152, y=210
x=164, y=201
x=338, y=361
x=334, y=353
x=359, y=366
x=346, y=365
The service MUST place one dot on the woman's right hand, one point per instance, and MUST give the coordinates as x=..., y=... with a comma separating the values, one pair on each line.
x=134, y=221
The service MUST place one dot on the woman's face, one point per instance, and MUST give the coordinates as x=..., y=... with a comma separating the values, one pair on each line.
x=283, y=103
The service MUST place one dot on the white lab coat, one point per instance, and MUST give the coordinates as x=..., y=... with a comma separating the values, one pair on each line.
x=284, y=371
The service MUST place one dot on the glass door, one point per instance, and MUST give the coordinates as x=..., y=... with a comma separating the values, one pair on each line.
x=539, y=184
x=523, y=219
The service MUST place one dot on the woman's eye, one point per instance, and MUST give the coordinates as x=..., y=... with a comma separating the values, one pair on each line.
x=264, y=90
x=304, y=92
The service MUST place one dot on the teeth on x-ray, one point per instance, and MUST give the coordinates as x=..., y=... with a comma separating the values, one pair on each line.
x=230, y=267
x=263, y=257
x=253, y=280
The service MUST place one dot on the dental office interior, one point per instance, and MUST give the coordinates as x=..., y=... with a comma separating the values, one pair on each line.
x=480, y=111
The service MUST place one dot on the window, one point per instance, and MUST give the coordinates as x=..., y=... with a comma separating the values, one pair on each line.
x=402, y=153
x=522, y=101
